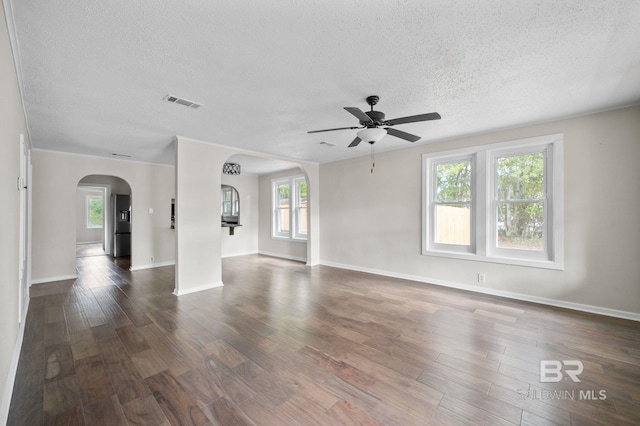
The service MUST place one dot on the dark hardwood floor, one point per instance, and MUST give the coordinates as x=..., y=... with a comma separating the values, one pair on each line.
x=284, y=344
x=89, y=249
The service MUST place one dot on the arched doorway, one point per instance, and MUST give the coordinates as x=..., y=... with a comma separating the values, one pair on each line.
x=103, y=217
x=258, y=218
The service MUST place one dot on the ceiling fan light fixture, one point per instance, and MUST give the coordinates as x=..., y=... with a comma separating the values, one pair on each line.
x=372, y=134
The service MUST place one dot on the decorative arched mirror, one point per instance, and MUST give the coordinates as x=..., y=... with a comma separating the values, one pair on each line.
x=230, y=208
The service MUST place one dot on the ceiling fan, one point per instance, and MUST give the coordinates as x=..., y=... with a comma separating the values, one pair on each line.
x=372, y=123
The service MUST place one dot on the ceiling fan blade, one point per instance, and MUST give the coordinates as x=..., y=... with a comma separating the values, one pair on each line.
x=331, y=130
x=402, y=135
x=413, y=119
x=359, y=114
x=355, y=142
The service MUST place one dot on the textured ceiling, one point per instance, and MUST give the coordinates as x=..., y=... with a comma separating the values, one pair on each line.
x=94, y=73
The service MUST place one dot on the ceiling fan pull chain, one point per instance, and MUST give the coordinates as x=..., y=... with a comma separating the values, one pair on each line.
x=373, y=158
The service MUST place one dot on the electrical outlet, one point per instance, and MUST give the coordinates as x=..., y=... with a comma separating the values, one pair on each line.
x=482, y=278
x=151, y=258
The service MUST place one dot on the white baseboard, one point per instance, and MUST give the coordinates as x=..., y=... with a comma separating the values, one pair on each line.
x=224, y=256
x=13, y=369
x=52, y=279
x=199, y=288
x=634, y=316
x=152, y=265
x=284, y=256
x=87, y=242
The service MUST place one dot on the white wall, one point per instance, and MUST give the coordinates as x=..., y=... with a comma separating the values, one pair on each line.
x=13, y=124
x=83, y=234
x=245, y=238
x=198, y=233
x=373, y=222
x=296, y=250
x=55, y=178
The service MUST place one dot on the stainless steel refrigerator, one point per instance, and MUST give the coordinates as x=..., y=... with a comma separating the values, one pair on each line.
x=121, y=225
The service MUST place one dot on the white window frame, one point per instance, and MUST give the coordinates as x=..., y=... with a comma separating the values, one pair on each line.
x=294, y=233
x=276, y=233
x=88, y=199
x=493, y=248
x=296, y=214
x=431, y=211
x=483, y=245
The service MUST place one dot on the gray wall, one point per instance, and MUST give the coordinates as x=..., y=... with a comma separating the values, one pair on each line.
x=373, y=222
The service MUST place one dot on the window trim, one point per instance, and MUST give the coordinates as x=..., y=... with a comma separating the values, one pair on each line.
x=88, y=199
x=293, y=234
x=483, y=230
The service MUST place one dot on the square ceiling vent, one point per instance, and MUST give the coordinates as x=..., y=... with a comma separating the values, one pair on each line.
x=181, y=101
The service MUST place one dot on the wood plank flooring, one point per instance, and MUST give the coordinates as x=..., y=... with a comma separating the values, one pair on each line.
x=284, y=344
x=89, y=249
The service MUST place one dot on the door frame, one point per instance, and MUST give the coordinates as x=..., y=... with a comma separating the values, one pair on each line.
x=24, y=248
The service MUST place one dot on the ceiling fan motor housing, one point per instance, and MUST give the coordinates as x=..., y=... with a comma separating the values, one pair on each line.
x=376, y=116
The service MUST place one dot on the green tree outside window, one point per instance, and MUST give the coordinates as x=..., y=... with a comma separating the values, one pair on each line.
x=94, y=212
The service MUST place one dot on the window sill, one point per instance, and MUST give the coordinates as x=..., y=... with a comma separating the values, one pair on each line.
x=532, y=263
x=295, y=240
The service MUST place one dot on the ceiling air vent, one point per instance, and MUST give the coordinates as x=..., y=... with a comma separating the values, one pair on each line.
x=182, y=101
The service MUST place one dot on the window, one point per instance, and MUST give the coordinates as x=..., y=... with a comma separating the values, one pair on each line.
x=282, y=191
x=300, y=208
x=94, y=211
x=290, y=208
x=520, y=202
x=498, y=203
x=452, y=204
